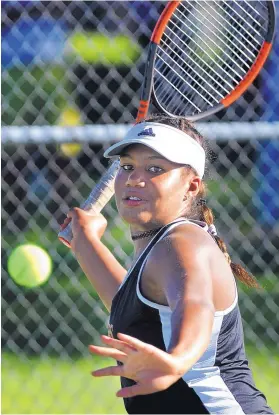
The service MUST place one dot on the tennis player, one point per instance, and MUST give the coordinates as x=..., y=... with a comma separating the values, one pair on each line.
x=175, y=328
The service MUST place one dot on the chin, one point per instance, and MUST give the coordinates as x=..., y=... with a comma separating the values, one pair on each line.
x=135, y=218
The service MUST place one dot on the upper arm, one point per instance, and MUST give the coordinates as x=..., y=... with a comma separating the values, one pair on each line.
x=183, y=273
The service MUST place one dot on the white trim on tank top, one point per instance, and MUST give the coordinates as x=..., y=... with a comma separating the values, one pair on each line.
x=165, y=308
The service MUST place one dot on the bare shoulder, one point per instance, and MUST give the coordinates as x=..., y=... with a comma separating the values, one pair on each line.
x=189, y=259
x=182, y=245
x=174, y=257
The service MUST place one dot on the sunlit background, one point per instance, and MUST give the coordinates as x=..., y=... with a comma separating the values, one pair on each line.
x=67, y=65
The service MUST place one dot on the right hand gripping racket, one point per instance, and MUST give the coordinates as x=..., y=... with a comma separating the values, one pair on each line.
x=202, y=56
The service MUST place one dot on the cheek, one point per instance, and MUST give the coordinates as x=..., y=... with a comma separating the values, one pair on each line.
x=169, y=186
x=119, y=185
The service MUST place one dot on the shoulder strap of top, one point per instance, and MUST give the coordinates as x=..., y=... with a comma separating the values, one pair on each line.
x=163, y=232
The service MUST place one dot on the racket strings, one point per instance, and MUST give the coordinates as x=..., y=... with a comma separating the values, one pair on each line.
x=206, y=50
x=233, y=47
x=213, y=31
x=196, y=85
x=251, y=11
x=169, y=98
x=245, y=19
x=229, y=14
x=180, y=64
x=237, y=39
x=193, y=58
x=213, y=34
x=187, y=63
x=194, y=90
x=224, y=24
x=208, y=47
x=239, y=33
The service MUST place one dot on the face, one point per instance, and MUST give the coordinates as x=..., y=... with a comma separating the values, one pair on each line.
x=150, y=190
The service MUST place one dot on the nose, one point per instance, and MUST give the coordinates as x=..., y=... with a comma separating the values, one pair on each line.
x=135, y=179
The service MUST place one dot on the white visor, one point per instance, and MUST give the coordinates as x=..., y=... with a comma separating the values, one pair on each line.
x=171, y=143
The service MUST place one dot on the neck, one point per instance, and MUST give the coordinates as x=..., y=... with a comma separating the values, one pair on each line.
x=145, y=234
x=139, y=247
x=141, y=239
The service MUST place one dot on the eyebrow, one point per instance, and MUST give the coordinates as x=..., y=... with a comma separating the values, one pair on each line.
x=149, y=158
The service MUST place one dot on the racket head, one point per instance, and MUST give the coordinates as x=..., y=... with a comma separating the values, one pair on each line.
x=204, y=55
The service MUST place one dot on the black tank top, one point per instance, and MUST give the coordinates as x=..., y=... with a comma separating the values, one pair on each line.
x=220, y=382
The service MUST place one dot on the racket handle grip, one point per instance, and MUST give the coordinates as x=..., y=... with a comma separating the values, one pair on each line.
x=98, y=198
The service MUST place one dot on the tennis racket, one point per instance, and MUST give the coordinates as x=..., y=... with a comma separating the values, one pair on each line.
x=202, y=56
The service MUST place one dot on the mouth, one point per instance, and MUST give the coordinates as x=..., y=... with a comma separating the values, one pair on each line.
x=133, y=201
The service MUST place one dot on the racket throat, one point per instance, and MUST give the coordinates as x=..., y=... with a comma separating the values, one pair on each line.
x=147, y=83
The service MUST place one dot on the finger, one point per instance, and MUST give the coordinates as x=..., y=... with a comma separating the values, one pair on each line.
x=118, y=344
x=79, y=212
x=75, y=212
x=132, y=341
x=65, y=223
x=70, y=214
x=108, y=371
x=134, y=390
x=108, y=352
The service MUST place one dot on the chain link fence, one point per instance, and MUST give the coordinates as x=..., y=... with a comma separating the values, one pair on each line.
x=81, y=63
x=90, y=56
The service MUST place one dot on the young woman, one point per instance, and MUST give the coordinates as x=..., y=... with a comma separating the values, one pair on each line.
x=175, y=328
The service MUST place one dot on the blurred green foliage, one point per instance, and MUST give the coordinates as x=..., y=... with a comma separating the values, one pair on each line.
x=94, y=47
x=40, y=86
x=56, y=386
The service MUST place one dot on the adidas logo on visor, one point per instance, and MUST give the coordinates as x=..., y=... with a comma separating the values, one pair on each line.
x=147, y=131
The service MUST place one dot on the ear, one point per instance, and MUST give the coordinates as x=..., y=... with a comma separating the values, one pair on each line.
x=194, y=186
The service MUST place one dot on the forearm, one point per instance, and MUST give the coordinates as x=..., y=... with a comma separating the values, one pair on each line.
x=191, y=332
x=101, y=268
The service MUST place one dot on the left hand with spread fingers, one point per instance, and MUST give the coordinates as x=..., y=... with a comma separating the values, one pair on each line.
x=152, y=369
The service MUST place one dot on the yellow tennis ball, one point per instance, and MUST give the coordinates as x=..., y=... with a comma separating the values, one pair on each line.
x=29, y=265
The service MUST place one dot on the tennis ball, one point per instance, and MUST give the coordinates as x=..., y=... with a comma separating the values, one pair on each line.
x=29, y=265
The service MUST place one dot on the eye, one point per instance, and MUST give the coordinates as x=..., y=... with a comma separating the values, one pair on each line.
x=155, y=169
x=126, y=167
